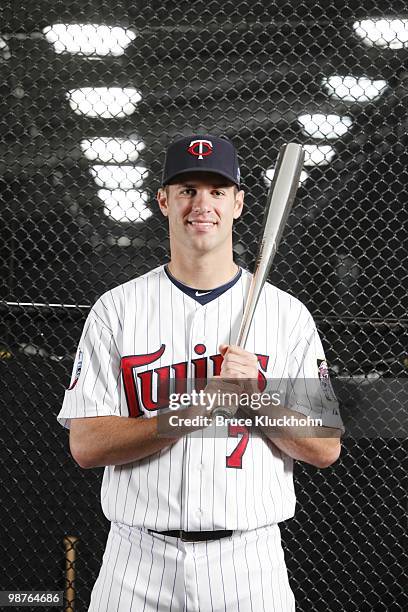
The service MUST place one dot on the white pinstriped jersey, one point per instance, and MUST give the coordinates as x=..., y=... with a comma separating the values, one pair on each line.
x=148, y=329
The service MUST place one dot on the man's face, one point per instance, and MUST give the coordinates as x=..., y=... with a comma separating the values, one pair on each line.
x=201, y=208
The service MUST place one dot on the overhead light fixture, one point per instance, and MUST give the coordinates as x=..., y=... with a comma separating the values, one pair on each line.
x=89, y=39
x=318, y=155
x=119, y=177
x=269, y=174
x=104, y=102
x=324, y=126
x=5, y=53
x=109, y=150
x=125, y=206
x=379, y=32
x=354, y=89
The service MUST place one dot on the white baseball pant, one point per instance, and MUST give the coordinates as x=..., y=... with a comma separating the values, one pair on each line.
x=145, y=572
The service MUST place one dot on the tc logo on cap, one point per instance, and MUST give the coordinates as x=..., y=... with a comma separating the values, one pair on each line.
x=200, y=148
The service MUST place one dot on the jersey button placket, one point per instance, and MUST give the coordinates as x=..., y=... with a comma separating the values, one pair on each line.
x=194, y=443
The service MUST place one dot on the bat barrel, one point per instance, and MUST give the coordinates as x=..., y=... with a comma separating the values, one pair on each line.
x=280, y=199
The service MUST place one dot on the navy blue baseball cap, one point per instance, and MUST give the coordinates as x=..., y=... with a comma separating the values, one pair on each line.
x=199, y=153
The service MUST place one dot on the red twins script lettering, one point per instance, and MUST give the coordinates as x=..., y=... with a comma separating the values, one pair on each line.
x=143, y=387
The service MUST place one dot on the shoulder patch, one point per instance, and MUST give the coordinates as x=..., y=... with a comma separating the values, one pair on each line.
x=77, y=370
x=324, y=377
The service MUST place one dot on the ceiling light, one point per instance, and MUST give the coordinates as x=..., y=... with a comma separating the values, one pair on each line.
x=5, y=52
x=318, y=155
x=324, y=126
x=119, y=177
x=108, y=150
x=391, y=33
x=105, y=102
x=125, y=206
x=269, y=174
x=353, y=89
x=89, y=39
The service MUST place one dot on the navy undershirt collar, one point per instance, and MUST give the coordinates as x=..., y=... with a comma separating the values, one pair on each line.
x=203, y=296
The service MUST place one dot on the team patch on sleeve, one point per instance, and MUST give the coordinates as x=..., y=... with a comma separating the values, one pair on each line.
x=77, y=370
x=324, y=377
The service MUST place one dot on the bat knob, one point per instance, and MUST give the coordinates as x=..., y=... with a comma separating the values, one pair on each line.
x=222, y=412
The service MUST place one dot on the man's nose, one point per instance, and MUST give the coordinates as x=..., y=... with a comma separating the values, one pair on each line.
x=201, y=202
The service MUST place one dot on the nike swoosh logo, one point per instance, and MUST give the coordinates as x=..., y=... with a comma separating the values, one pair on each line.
x=198, y=293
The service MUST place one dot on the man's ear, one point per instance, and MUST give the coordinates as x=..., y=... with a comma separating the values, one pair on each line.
x=239, y=203
x=161, y=198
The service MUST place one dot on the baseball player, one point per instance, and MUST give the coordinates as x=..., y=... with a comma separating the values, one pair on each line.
x=195, y=517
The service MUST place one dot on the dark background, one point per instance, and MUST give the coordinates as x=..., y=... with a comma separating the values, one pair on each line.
x=246, y=70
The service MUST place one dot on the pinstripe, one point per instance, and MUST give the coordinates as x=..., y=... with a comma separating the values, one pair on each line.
x=124, y=572
x=126, y=495
x=102, y=582
x=235, y=573
x=117, y=491
x=185, y=592
x=261, y=570
x=267, y=543
x=201, y=478
x=116, y=310
x=148, y=491
x=137, y=571
x=195, y=573
x=187, y=475
x=278, y=582
x=102, y=323
x=97, y=374
x=174, y=581
x=159, y=463
x=138, y=488
x=214, y=463
x=305, y=386
x=209, y=577
x=113, y=574
x=171, y=447
x=161, y=580
x=107, y=476
x=158, y=283
x=184, y=440
x=86, y=372
x=110, y=359
x=222, y=577
x=124, y=305
x=94, y=314
x=150, y=573
x=104, y=305
x=247, y=568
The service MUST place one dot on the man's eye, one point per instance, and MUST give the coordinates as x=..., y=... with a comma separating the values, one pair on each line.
x=188, y=191
x=218, y=193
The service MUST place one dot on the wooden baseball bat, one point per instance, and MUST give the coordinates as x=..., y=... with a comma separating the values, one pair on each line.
x=281, y=196
x=70, y=544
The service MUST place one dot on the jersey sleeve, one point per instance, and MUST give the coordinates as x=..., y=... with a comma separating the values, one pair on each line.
x=309, y=389
x=94, y=385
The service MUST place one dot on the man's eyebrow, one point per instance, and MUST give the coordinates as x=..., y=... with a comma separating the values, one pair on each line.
x=193, y=185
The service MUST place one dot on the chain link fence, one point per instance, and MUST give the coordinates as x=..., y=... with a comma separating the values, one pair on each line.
x=91, y=94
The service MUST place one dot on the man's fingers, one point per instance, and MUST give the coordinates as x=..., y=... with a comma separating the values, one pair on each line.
x=234, y=372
